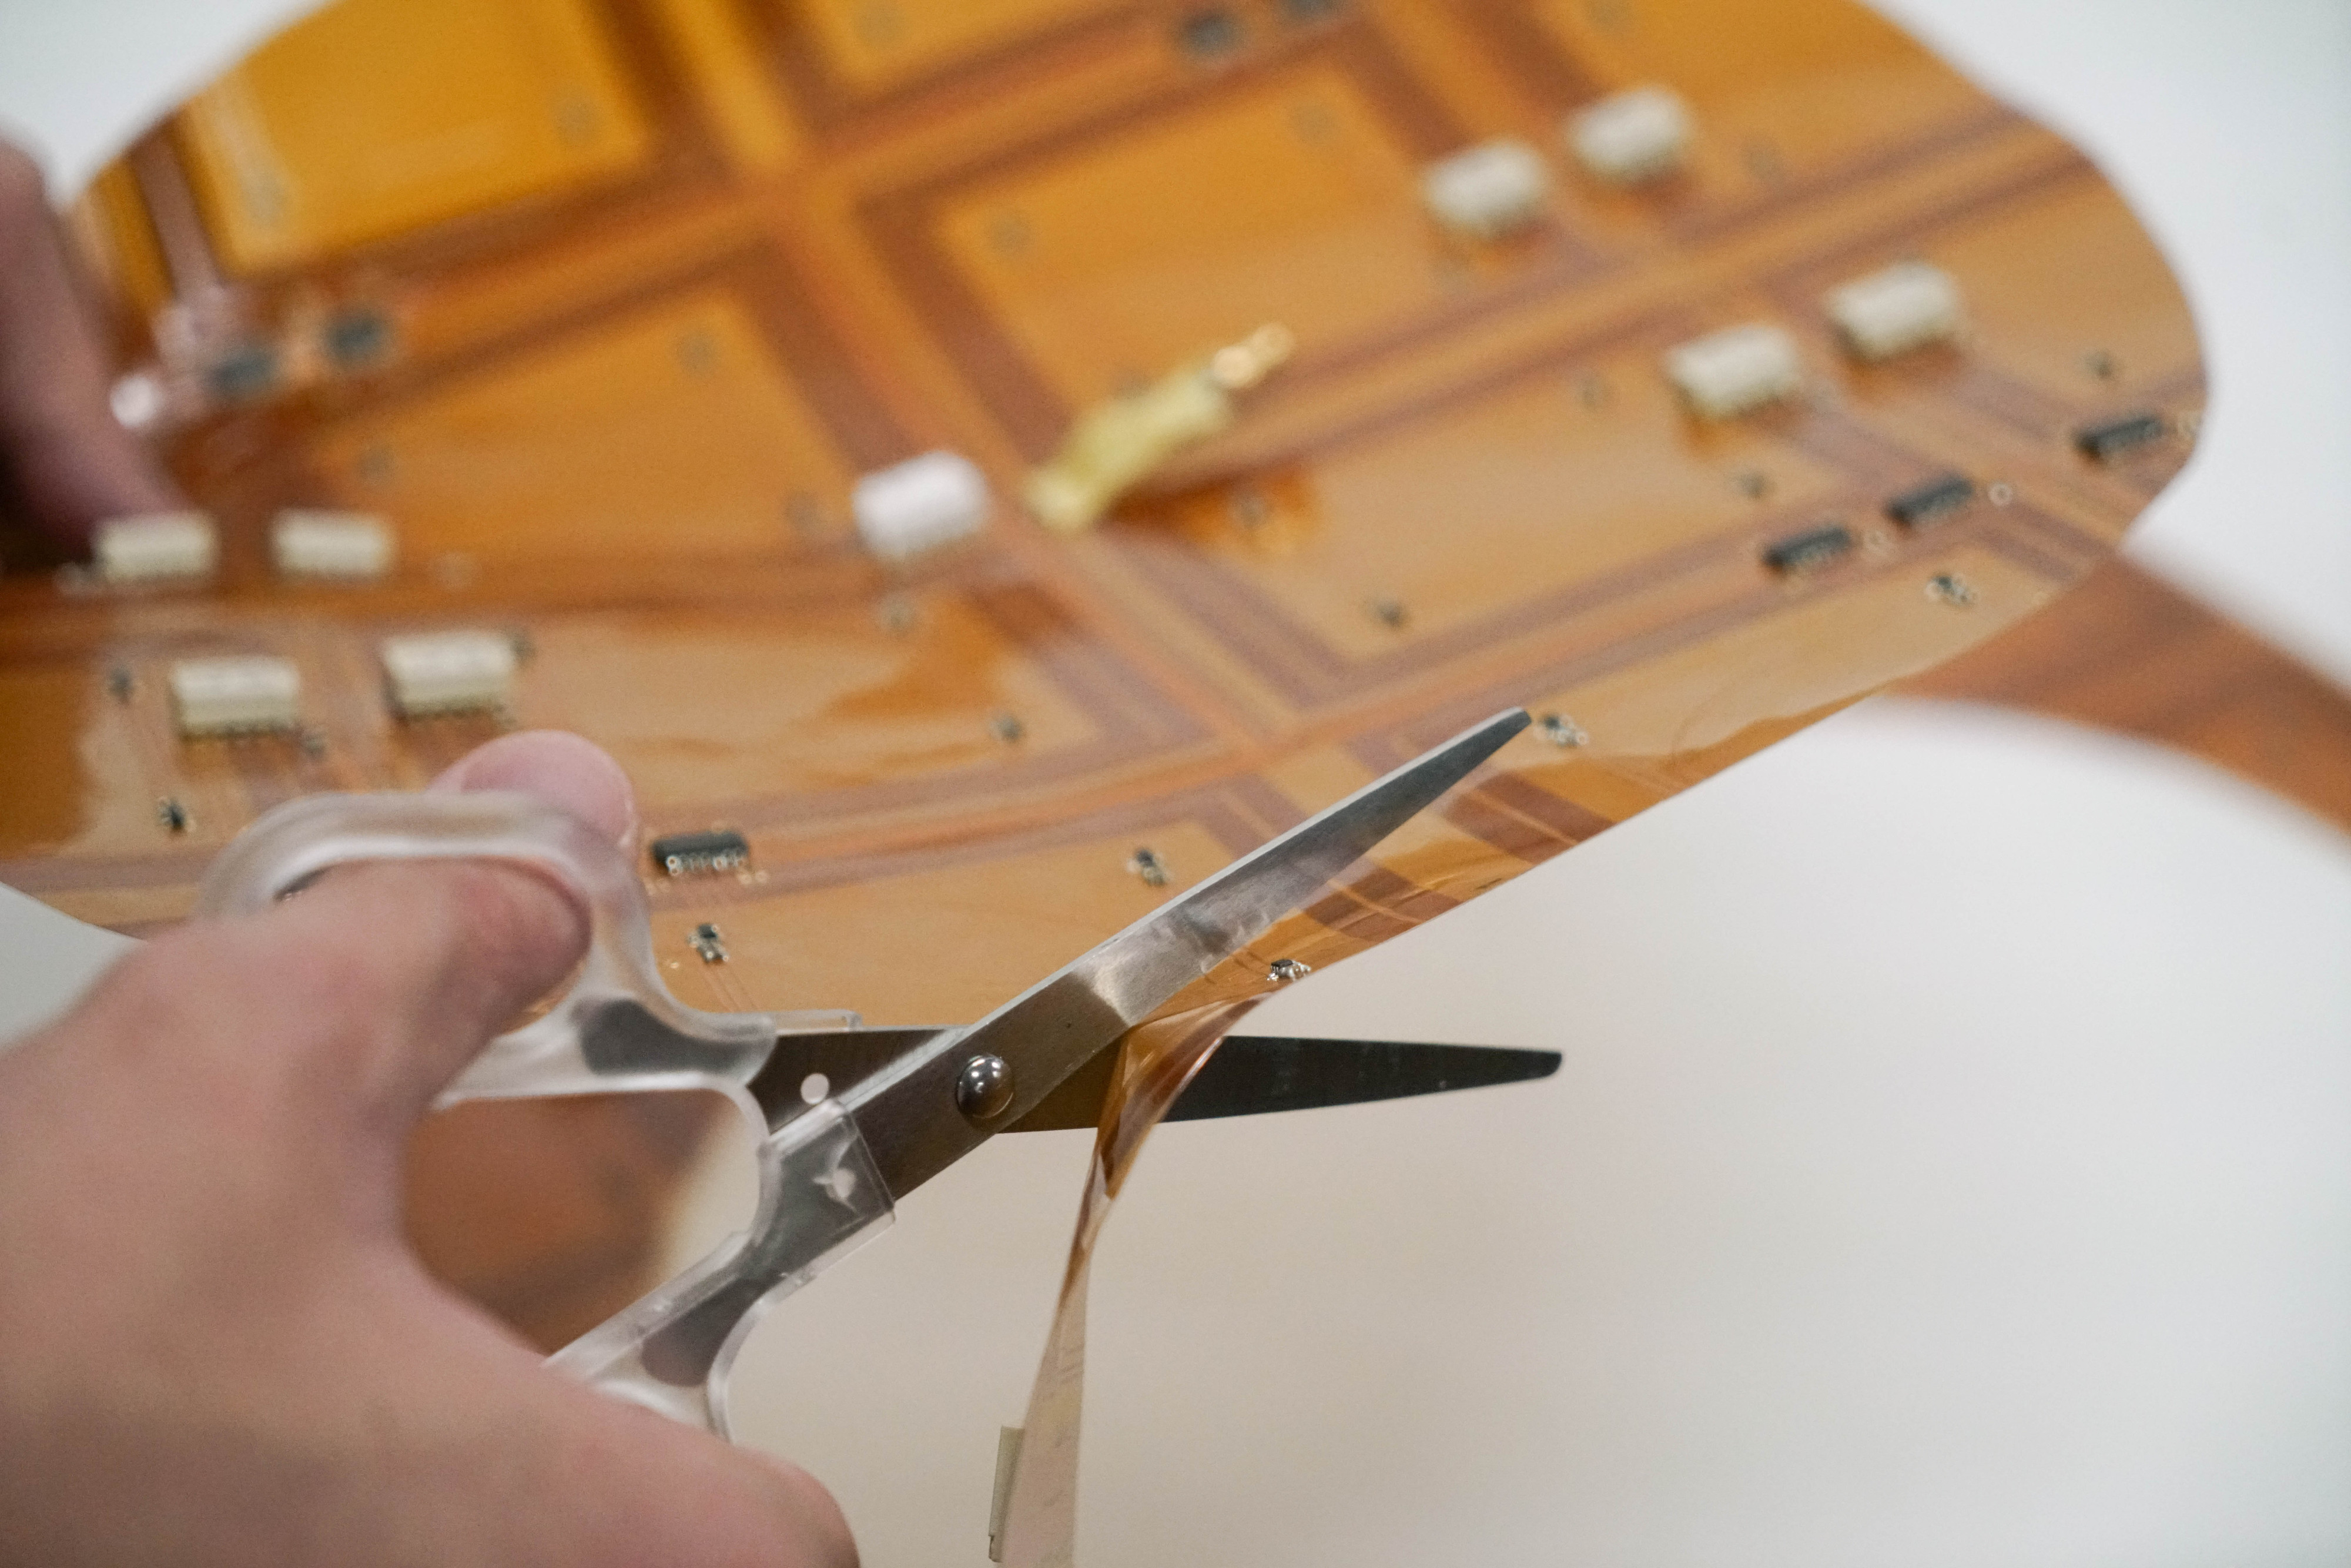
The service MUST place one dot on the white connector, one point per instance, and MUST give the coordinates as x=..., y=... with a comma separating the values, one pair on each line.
x=1737, y=369
x=157, y=547
x=1630, y=137
x=919, y=505
x=1905, y=307
x=1487, y=191
x=235, y=694
x=449, y=672
x=349, y=547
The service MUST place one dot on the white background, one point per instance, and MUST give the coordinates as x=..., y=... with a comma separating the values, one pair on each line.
x=1952, y=1159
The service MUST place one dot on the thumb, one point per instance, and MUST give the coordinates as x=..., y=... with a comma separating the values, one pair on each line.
x=563, y=769
x=364, y=995
x=457, y=949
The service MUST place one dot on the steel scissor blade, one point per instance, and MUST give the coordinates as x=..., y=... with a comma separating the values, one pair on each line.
x=1252, y=1074
x=907, y=1111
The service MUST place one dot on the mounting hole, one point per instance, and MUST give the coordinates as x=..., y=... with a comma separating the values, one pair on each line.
x=815, y=1087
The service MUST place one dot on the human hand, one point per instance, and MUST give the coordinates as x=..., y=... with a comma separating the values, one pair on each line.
x=215, y=1347
x=67, y=462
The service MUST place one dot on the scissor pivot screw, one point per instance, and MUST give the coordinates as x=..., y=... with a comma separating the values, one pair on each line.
x=984, y=1087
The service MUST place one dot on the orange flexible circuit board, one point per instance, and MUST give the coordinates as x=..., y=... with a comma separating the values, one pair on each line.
x=603, y=306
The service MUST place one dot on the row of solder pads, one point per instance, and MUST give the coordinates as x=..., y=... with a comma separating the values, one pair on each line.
x=1498, y=189
x=435, y=673
x=425, y=673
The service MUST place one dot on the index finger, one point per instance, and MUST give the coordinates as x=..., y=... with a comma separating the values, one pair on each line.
x=69, y=461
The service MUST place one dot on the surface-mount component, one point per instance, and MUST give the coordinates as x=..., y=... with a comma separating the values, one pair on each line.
x=1210, y=34
x=157, y=547
x=1630, y=137
x=1891, y=311
x=356, y=337
x=137, y=399
x=448, y=672
x=2110, y=438
x=700, y=853
x=1735, y=370
x=919, y=505
x=1812, y=548
x=1931, y=502
x=1115, y=445
x=235, y=695
x=1949, y=587
x=246, y=373
x=1487, y=191
x=349, y=547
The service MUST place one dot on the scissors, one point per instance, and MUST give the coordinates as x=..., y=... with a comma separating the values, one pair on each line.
x=849, y=1119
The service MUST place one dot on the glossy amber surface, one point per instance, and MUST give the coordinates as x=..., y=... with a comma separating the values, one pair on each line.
x=604, y=305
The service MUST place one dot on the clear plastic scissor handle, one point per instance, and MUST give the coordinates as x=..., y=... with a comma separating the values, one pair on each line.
x=616, y=1028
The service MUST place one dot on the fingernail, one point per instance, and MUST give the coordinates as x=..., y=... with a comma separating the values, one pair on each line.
x=560, y=768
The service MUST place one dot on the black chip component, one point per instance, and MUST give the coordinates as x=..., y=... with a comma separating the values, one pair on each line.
x=1931, y=502
x=2109, y=439
x=1813, y=548
x=699, y=854
x=357, y=337
x=1209, y=34
x=244, y=374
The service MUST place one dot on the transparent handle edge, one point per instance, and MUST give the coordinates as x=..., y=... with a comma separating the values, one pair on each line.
x=821, y=1192
x=821, y=1197
x=292, y=842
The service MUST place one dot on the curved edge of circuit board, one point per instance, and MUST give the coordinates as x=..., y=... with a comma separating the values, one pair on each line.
x=1678, y=372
